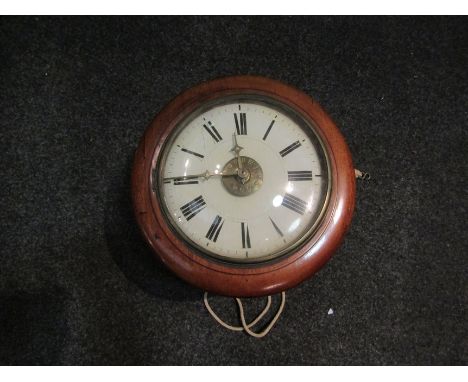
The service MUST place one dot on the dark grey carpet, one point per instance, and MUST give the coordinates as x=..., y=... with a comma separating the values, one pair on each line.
x=79, y=286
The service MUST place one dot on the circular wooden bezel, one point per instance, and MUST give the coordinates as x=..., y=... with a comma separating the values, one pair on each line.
x=259, y=279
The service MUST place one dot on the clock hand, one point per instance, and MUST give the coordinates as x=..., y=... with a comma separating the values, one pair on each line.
x=205, y=175
x=241, y=173
x=237, y=149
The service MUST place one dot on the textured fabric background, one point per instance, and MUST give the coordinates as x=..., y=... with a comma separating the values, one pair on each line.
x=78, y=284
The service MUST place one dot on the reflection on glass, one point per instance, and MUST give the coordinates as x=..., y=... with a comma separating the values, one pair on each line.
x=294, y=225
x=277, y=200
x=310, y=203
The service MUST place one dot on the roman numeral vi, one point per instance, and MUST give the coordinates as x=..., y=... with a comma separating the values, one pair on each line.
x=245, y=235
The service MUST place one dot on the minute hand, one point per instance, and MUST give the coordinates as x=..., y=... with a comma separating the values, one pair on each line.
x=237, y=149
x=205, y=175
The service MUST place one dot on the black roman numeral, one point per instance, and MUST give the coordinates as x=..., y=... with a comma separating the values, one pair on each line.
x=209, y=127
x=192, y=208
x=295, y=176
x=182, y=181
x=192, y=152
x=290, y=148
x=295, y=204
x=245, y=235
x=276, y=228
x=268, y=130
x=241, y=123
x=215, y=228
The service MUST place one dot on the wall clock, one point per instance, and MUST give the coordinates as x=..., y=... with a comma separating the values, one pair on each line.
x=243, y=186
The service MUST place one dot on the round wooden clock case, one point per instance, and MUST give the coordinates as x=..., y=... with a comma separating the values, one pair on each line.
x=268, y=275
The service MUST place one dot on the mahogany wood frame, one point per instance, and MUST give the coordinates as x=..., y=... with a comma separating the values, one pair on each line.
x=258, y=279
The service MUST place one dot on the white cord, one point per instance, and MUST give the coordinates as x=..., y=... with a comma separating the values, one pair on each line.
x=246, y=326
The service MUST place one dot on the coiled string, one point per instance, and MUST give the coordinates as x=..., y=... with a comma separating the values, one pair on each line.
x=246, y=327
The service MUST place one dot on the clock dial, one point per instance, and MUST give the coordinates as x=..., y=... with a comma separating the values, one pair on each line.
x=243, y=186
x=243, y=180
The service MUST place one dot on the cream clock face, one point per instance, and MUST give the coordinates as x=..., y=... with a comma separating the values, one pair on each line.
x=243, y=180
